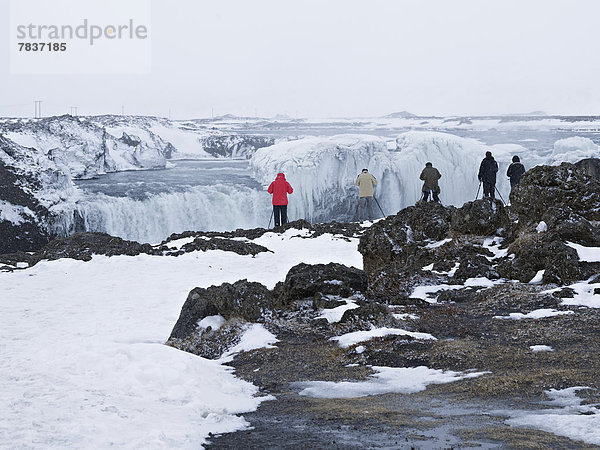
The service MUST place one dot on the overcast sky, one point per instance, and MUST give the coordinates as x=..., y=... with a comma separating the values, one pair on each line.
x=330, y=58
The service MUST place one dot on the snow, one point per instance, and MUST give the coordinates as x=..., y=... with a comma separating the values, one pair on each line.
x=349, y=339
x=587, y=254
x=493, y=245
x=405, y=316
x=176, y=244
x=541, y=348
x=256, y=336
x=566, y=417
x=84, y=363
x=423, y=292
x=186, y=142
x=438, y=243
x=84, y=149
x=536, y=314
x=583, y=296
x=574, y=149
x=333, y=315
x=15, y=214
x=214, y=322
x=538, y=277
x=404, y=380
x=541, y=227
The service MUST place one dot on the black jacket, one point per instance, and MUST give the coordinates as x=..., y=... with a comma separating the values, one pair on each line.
x=487, y=170
x=514, y=172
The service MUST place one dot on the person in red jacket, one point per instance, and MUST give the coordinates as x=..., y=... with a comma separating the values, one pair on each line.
x=280, y=188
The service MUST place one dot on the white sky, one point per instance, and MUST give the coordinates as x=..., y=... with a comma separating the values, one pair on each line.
x=341, y=58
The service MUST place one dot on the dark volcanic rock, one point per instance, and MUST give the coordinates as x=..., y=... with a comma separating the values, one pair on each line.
x=591, y=166
x=486, y=217
x=571, y=226
x=304, y=281
x=247, y=300
x=235, y=146
x=391, y=242
x=227, y=245
x=26, y=236
x=546, y=187
x=83, y=245
x=16, y=188
x=542, y=251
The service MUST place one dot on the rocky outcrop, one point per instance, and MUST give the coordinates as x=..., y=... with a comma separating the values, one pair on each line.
x=407, y=249
x=291, y=307
x=243, y=299
x=215, y=243
x=396, y=242
x=484, y=217
x=590, y=166
x=547, y=252
x=305, y=281
x=24, y=210
x=236, y=146
x=83, y=246
x=546, y=187
x=553, y=205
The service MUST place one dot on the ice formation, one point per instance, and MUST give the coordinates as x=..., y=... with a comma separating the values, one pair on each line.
x=323, y=170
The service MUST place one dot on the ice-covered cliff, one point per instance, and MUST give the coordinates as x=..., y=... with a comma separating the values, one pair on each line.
x=574, y=149
x=323, y=170
x=84, y=149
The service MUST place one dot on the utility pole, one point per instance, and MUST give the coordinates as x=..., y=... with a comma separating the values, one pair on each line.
x=74, y=111
x=37, y=109
x=122, y=110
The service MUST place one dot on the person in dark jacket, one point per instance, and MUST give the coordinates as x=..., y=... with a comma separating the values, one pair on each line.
x=280, y=188
x=487, y=175
x=515, y=170
x=430, y=176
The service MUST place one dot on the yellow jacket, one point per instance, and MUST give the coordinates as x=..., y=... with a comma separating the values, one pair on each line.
x=365, y=183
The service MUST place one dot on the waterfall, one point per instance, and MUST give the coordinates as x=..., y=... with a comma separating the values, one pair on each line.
x=214, y=208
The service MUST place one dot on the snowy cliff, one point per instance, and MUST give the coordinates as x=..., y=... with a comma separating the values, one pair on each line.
x=85, y=149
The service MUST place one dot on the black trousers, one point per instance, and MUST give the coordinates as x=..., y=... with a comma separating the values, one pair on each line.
x=435, y=196
x=280, y=214
x=489, y=189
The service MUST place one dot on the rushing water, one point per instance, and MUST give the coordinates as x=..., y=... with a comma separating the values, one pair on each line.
x=147, y=206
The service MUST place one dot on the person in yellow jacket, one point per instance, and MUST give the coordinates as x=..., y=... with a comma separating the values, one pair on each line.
x=365, y=182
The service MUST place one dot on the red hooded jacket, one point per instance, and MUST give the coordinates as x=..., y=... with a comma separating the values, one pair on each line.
x=280, y=188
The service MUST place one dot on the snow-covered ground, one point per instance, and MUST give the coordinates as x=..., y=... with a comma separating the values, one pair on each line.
x=83, y=362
